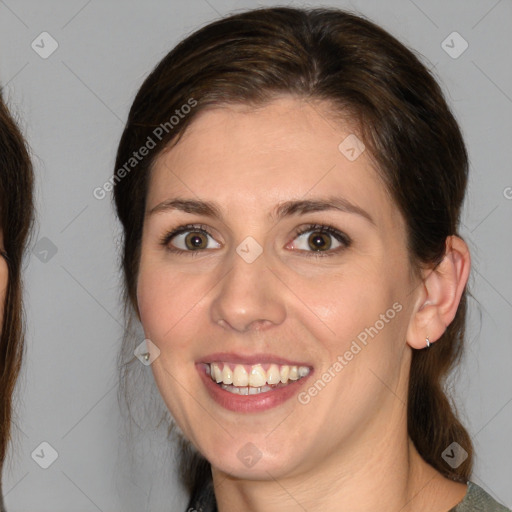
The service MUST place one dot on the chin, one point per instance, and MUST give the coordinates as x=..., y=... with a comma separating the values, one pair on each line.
x=249, y=463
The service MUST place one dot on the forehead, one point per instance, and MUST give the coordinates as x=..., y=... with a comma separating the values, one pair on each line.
x=253, y=158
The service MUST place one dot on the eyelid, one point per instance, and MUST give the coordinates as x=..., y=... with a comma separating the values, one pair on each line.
x=340, y=236
x=200, y=228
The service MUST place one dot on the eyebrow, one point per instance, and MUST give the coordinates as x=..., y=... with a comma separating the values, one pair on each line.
x=285, y=209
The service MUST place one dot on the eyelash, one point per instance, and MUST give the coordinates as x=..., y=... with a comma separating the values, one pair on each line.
x=320, y=228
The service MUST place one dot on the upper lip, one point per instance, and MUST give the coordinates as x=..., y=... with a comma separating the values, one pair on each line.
x=249, y=359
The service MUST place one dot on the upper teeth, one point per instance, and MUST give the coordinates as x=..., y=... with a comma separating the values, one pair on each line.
x=255, y=375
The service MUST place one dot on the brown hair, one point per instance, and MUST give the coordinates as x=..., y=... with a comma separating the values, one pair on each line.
x=16, y=216
x=399, y=111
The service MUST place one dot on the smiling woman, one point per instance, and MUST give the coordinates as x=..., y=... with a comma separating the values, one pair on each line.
x=16, y=211
x=291, y=250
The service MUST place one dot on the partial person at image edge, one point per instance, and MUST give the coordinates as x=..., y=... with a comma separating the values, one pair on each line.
x=16, y=216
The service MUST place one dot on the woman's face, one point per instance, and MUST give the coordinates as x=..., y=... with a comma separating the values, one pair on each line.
x=254, y=291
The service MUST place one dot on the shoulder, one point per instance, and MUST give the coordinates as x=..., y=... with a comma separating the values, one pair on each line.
x=478, y=500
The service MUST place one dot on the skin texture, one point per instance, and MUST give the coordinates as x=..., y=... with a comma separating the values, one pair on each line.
x=348, y=447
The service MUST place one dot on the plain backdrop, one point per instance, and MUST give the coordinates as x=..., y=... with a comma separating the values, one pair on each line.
x=73, y=104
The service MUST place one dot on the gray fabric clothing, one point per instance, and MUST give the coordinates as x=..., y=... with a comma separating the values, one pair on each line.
x=477, y=500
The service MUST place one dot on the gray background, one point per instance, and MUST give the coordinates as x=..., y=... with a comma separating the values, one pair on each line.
x=73, y=105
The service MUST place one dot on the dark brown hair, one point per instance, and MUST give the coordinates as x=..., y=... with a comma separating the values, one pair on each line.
x=395, y=106
x=16, y=216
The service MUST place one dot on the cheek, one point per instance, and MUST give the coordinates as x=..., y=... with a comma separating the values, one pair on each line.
x=152, y=297
x=163, y=302
x=366, y=314
x=353, y=301
x=167, y=301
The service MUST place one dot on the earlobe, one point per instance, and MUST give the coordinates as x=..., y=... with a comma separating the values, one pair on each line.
x=440, y=294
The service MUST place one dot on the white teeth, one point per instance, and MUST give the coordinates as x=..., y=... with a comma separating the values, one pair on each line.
x=257, y=377
x=246, y=390
x=240, y=376
x=217, y=372
x=227, y=375
x=273, y=375
x=303, y=371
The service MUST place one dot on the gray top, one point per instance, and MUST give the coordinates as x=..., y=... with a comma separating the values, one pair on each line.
x=475, y=500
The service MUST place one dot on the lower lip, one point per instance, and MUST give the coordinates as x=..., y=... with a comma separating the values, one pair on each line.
x=249, y=403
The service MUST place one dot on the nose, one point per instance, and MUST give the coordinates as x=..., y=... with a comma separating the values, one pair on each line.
x=250, y=297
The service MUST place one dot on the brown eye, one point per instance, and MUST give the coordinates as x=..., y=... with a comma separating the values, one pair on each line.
x=196, y=240
x=320, y=240
x=189, y=238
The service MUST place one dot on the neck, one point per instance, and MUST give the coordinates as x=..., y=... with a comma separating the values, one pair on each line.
x=386, y=475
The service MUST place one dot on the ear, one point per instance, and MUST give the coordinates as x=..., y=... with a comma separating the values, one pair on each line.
x=439, y=294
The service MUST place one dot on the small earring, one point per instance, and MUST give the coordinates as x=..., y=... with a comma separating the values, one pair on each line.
x=428, y=342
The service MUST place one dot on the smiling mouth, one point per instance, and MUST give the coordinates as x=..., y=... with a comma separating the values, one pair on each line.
x=242, y=379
